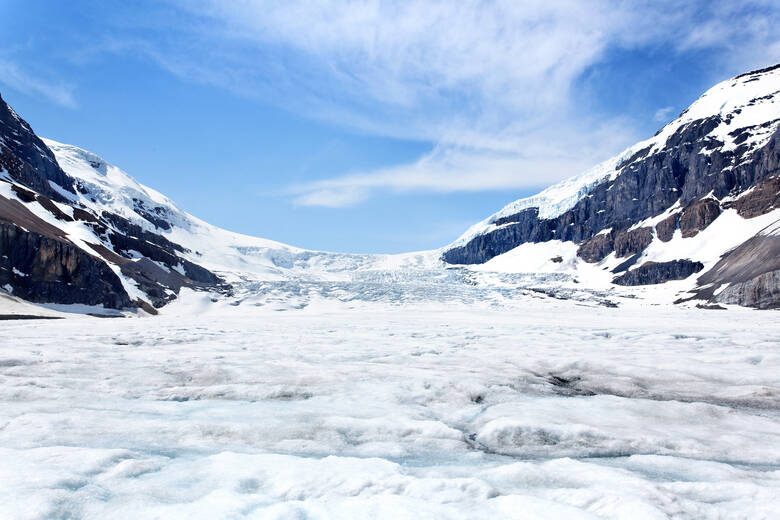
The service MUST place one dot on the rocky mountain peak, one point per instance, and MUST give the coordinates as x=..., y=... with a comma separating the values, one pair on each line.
x=26, y=159
x=719, y=157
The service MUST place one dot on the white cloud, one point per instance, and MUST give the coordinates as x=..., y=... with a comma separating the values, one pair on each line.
x=662, y=114
x=14, y=77
x=331, y=194
x=445, y=169
x=488, y=82
x=451, y=168
x=408, y=69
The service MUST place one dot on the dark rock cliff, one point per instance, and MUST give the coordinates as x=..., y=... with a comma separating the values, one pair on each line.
x=659, y=272
x=27, y=159
x=749, y=272
x=761, y=292
x=46, y=269
x=40, y=264
x=698, y=216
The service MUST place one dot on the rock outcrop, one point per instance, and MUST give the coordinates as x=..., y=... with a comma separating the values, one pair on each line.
x=40, y=268
x=597, y=247
x=698, y=216
x=632, y=242
x=762, y=198
x=27, y=159
x=761, y=292
x=749, y=273
x=651, y=273
x=665, y=229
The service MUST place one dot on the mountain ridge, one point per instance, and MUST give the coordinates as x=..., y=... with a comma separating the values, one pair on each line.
x=672, y=210
x=722, y=154
x=560, y=197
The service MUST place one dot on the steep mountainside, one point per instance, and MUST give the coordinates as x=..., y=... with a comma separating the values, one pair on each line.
x=76, y=240
x=75, y=229
x=642, y=214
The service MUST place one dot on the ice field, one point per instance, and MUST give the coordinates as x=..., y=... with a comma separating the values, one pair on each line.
x=359, y=408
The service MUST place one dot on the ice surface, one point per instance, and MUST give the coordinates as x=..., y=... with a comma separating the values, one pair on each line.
x=357, y=408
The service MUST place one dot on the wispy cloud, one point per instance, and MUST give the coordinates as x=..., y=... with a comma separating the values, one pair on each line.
x=457, y=168
x=16, y=78
x=489, y=83
x=662, y=114
x=446, y=169
x=430, y=70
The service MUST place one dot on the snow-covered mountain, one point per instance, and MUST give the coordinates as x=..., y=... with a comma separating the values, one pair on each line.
x=682, y=205
x=232, y=256
x=75, y=229
x=691, y=213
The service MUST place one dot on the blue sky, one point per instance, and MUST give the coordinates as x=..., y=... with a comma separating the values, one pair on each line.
x=365, y=126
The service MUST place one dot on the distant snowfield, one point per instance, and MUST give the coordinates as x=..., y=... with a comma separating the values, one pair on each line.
x=360, y=408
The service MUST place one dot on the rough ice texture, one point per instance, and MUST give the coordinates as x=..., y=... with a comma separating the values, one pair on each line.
x=422, y=411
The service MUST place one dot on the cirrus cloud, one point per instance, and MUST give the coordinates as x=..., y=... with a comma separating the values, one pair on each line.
x=489, y=83
x=18, y=79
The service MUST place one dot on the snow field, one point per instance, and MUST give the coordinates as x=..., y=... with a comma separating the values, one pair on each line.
x=431, y=411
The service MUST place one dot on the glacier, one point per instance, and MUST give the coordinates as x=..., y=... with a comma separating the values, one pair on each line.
x=334, y=385
x=319, y=407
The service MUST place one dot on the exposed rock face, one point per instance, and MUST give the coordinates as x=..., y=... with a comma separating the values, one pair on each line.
x=698, y=216
x=623, y=243
x=154, y=215
x=749, y=272
x=597, y=247
x=761, y=292
x=26, y=158
x=627, y=264
x=764, y=197
x=665, y=229
x=40, y=264
x=49, y=269
x=756, y=256
x=659, y=272
x=631, y=242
